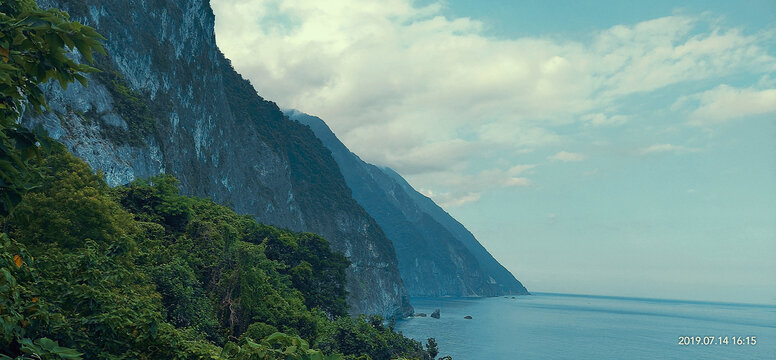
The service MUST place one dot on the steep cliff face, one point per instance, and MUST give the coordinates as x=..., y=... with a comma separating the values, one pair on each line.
x=504, y=281
x=437, y=255
x=168, y=101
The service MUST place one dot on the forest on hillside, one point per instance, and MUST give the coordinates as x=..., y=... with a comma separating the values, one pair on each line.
x=140, y=271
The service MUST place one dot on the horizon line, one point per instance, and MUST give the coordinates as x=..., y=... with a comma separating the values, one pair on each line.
x=654, y=299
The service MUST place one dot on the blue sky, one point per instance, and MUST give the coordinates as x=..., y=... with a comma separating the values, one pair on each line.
x=593, y=147
x=577, y=18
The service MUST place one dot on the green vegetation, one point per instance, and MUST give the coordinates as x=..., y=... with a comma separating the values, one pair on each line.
x=141, y=272
x=364, y=335
x=33, y=50
x=132, y=107
x=323, y=198
x=316, y=172
x=313, y=268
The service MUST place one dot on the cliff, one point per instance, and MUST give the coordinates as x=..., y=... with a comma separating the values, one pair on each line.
x=437, y=255
x=168, y=101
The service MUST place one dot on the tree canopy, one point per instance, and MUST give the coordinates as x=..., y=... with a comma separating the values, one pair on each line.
x=140, y=271
x=36, y=46
x=89, y=271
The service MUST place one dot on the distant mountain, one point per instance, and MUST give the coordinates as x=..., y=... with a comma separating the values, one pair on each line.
x=437, y=255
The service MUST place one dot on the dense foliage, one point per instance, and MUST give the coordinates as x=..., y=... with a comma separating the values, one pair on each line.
x=364, y=335
x=314, y=269
x=33, y=50
x=143, y=272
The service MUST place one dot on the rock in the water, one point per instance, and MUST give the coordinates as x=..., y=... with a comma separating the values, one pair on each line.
x=468, y=317
x=420, y=315
x=435, y=314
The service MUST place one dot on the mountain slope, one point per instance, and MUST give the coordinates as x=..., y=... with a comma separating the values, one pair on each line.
x=437, y=255
x=168, y=101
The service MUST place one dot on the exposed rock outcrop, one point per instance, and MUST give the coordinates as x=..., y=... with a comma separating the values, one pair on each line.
x=169, y=102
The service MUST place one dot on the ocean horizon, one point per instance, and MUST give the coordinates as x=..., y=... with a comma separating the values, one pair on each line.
x=640, y=298
x=580, y=326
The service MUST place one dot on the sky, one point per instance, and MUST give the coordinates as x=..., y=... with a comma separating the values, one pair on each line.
x=598, y=147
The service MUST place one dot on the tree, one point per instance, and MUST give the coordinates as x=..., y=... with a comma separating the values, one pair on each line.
x=432, y=348
x=315, y=270
x=36, y=46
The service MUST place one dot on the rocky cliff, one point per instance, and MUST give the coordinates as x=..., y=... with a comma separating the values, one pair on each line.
x=168, y=101
x=437, y=255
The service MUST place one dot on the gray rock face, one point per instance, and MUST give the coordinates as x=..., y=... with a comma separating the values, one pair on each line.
x=210, y=129
x=437, y=255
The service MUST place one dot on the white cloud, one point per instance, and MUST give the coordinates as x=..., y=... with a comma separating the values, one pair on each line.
x=460, y=187
x=449, y=200
x=724, y=103
x=406, y=87
x=517, y=181
x=519, y=169
x=601, y=119
x=436, y=156
x=665, y=51
x=661, y=148
x=567, y=156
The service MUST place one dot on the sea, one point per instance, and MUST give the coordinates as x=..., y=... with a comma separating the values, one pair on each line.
x=565, y=326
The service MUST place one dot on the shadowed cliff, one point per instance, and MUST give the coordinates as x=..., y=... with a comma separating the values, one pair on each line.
x=437, y=255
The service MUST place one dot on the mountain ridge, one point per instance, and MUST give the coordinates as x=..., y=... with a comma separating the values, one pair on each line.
x=168, y=101
x=437, y=255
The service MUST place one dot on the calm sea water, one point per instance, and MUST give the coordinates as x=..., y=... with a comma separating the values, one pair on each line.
x=556, y=326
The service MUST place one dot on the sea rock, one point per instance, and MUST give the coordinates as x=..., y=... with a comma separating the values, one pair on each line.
x=435, y=314
x=467, y=317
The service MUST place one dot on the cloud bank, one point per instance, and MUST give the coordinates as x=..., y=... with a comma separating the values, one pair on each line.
x=436, y=99
x=724, y=103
